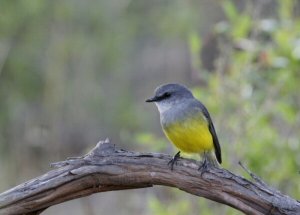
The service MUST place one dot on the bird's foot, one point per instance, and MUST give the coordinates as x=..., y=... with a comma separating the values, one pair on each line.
x=174, y=160
x=204, y=167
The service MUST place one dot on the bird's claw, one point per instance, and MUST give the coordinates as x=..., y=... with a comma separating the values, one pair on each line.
x=204, y=167
x=174, y=160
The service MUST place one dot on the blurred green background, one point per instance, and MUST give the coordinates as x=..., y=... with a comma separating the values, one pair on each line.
x=74, y=72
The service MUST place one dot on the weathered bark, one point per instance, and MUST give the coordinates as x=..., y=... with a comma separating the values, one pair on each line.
x=106, y=168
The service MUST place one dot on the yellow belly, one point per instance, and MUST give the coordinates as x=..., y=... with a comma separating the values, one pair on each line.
x=192, y=135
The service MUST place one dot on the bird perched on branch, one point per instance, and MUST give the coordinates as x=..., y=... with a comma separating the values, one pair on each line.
x=187, y=124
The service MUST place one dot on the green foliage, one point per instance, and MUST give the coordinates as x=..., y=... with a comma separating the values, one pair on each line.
x=260, y=87
x=195, y=47
x=257, y=98
x=151, y=142
x=181, y=207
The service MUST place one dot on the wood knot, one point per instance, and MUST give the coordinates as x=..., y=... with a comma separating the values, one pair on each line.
x=103, y=147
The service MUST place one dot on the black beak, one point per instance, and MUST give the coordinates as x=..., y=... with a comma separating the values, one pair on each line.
x=153, y=99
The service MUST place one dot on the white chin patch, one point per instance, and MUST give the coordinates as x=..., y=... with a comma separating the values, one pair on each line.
x=162, y=107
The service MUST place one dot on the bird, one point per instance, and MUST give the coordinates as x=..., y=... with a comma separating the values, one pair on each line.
x=187, y=124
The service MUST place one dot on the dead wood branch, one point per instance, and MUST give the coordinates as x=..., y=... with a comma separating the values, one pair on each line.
x=106, y=168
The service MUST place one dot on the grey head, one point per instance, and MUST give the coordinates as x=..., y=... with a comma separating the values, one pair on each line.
x=168, y=95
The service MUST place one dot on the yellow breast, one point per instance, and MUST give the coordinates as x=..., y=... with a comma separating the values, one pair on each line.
x=191, y=135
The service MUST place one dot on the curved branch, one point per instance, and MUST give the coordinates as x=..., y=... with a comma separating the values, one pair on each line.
x=106, y=168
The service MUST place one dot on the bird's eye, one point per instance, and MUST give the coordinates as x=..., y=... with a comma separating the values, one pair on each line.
x=166, y=95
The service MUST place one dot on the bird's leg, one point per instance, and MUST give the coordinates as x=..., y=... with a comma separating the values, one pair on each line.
x=205, y=163
x=174, y=160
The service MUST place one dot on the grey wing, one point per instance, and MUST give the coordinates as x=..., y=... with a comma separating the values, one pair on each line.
x=213, y=133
